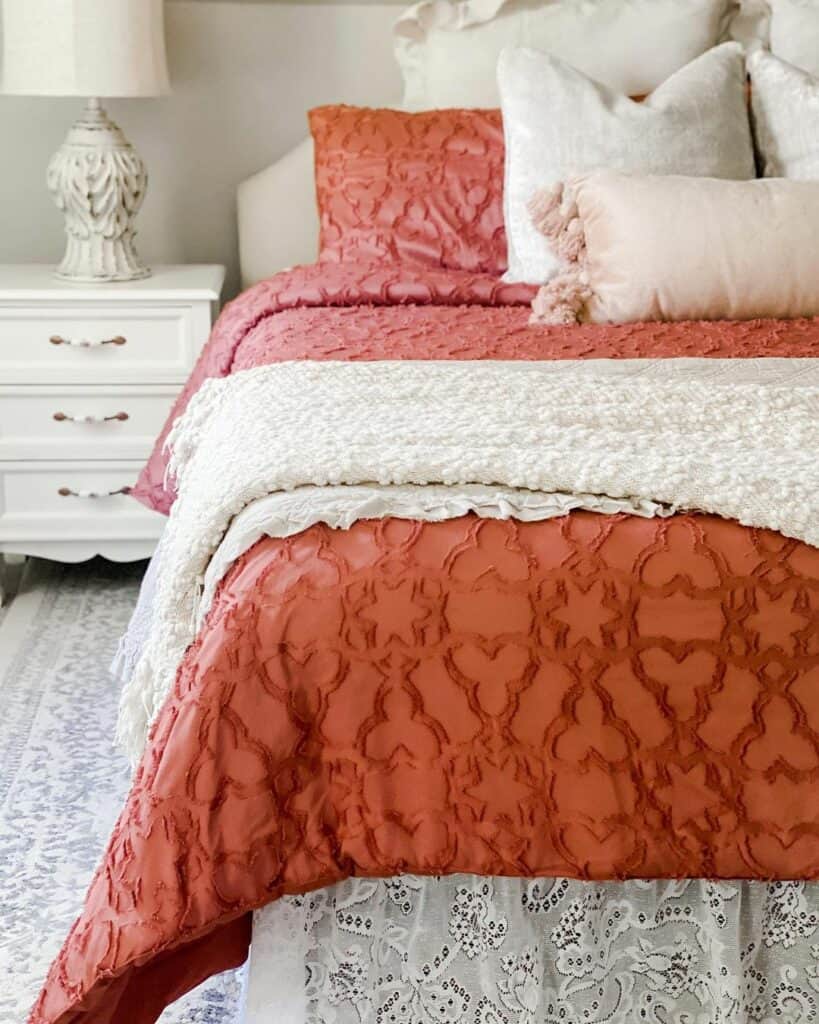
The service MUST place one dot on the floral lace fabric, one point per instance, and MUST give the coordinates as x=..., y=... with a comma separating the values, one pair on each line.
x=479, y=950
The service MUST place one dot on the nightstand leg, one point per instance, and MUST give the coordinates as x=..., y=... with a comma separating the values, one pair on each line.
x=10, y=578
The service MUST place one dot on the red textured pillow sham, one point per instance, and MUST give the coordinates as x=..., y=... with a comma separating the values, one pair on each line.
x=424, y=189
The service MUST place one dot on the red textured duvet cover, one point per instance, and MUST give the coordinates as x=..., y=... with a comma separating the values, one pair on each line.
x=597, y=696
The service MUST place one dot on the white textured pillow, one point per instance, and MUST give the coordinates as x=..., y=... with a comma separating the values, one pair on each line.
x=794, y=32
x=788, y=28
x=751, y=25
x=559, y=123
x=448, y=51
x=785, y=102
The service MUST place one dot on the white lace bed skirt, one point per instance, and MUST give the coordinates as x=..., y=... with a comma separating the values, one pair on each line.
x=471, y=950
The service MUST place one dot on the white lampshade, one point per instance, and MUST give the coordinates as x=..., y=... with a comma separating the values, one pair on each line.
x=83, y=48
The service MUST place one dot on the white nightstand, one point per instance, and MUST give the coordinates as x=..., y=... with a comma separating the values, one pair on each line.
x=88, y=374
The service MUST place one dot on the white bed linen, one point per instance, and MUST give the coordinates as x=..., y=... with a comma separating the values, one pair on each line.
x=471, y=950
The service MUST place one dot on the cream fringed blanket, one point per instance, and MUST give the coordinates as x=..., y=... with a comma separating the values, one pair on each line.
x=735, y=438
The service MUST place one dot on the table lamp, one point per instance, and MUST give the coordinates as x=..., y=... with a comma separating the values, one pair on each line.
x=95, y=49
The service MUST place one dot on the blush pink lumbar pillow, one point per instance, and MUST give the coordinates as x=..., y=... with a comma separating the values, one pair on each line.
x=675, y=248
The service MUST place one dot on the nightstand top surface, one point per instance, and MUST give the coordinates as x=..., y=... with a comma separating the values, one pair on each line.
x=27, y=281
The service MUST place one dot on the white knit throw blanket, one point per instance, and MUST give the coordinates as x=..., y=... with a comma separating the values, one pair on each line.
x=735, y=438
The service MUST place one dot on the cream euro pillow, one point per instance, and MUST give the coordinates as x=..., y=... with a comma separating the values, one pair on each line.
x=448, y=51
x=559, y=123
x=787, y=28
x=677, y=248
x=785, y=104
x=794, y=32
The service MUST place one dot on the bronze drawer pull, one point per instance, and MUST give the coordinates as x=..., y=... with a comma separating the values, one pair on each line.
x=66, y=492
x=55, y=339
x=64, y=417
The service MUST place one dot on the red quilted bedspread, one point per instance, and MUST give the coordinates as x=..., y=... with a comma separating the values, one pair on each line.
x=603, y=697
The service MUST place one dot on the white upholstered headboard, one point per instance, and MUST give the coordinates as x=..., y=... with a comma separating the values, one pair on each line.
x=278, y=216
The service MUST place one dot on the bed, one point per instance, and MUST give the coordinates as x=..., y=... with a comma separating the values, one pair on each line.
x=480, y=679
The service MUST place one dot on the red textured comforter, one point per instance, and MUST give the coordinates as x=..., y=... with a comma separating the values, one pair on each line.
x=594, y=696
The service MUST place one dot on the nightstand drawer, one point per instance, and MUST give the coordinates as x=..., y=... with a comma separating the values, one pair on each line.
x=72, y=501
x=106, y=343
x=82, y=422
x=80, y=413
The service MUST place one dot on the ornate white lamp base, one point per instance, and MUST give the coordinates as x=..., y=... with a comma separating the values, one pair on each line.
x=98, y=180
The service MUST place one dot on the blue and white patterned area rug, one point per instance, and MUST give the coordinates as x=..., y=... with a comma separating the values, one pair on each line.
x=61, y=782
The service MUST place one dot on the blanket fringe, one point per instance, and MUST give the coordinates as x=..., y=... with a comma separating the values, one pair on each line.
x=135, y=712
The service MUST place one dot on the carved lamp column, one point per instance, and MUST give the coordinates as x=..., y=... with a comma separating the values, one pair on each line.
x=92, y=48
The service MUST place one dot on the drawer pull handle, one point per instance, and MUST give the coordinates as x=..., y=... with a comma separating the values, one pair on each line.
x=64, y=417
x=55, y=339
x=66, y=492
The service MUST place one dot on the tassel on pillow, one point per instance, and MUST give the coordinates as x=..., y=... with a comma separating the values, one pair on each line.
x=561, y=300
